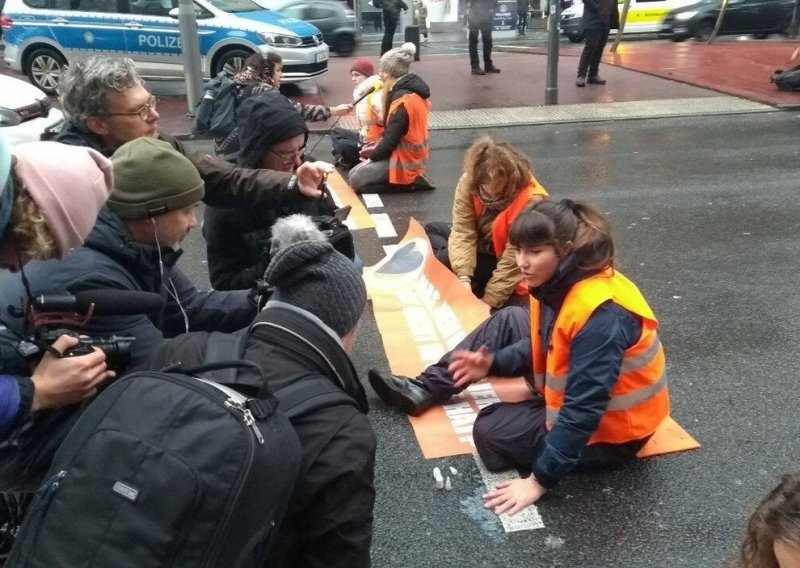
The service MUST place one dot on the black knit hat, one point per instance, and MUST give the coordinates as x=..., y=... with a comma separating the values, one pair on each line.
x=265, y=120
x=313, y=276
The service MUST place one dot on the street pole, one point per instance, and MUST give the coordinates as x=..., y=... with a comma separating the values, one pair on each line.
x=551, y=89
x=190, y=49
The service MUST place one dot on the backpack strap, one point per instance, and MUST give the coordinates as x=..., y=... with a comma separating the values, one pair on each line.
x=223, y=347
x=310, y=393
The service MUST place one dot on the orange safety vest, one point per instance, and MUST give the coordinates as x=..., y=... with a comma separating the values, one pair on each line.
x=373, y=131
x=639, y=399
x=502, y=223
x=408, y=160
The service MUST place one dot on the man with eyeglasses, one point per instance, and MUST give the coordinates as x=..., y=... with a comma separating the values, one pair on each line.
x=107, y=104
x=272, y=135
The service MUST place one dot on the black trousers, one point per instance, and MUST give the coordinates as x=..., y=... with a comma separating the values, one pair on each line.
x=390, y=22
x=593, y=45
x=482, y=24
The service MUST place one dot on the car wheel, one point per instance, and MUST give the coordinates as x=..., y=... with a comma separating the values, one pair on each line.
x=346, y=45
x=704, y=31
x=678, y=39
x=231, y=61
x=44, y=68
x=761, y=35
x=575, y=38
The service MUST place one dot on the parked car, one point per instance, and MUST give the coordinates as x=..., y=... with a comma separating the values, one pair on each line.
x=757, y=17
x=644, y=17
x=334, y=19
x=42, y=36
x=25, y=111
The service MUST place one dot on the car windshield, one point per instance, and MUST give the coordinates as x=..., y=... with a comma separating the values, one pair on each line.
x=235, y=6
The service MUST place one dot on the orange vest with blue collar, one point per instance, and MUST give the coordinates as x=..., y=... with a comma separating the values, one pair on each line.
x=639, y=399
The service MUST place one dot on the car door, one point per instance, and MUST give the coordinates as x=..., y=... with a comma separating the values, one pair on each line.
x=154, y=40
x=89, y=25
x=741, y=16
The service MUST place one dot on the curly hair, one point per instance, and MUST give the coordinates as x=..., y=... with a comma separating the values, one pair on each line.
x=86, y=84
x=776, y=517
x=29, y=230
x=488, y=160
x=263, y=63
x=571, y=227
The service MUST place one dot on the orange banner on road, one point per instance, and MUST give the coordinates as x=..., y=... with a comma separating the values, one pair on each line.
x=359, y=217
x=423, y=311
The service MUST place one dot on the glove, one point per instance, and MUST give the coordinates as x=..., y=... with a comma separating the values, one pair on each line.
x=259, y=294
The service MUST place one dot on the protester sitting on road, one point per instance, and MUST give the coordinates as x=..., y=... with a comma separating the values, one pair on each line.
x=349, y=146
x=273, y=136
x=135, y=246
x=398, y=161
x=318, y=299
x=497, y=184
x=107, y=104
x=262, y=73
x=49, y=198
x=595, y=359
x=773, y=532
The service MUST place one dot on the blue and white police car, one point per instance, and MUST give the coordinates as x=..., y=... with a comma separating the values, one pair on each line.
x=42, y=36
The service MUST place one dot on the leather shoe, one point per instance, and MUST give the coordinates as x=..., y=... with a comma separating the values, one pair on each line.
x=478, y=71
x=492, y=69
x=400, y=392
x=596, y=81
x=581, y=82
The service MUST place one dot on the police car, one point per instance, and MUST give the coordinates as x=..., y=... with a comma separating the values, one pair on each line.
x=42, y=36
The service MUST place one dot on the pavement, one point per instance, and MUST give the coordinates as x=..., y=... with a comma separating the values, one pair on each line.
x=645, y=80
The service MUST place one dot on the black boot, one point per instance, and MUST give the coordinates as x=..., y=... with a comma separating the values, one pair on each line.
x=476, y=70
x=402, y=393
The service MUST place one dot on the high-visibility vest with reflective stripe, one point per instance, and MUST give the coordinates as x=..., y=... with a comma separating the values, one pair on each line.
x=408, y=160
x=372, y=130
x=639, y=399
x=502, y=223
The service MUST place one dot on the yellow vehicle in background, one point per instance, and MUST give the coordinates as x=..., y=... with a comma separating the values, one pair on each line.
x=644, y=17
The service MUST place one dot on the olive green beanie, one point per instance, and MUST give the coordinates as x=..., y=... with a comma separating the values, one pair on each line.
x=152, y=178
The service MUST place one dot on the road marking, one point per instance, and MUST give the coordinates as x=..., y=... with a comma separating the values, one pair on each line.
x=372, y=200
x=383, y=225
x=528, y=518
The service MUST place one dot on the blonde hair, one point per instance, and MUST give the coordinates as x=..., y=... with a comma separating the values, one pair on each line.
x=488, y=160
x=29, y=229
x=388, y=85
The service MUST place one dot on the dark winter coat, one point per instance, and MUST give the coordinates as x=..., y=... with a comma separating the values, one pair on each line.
x=329, y=523
x=226, y=184
x=111, y=259
x=600, y=15
x=393, y=7
x=398, y=125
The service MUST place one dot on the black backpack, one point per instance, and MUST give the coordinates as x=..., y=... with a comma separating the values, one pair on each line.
x=787, y=80
x=168, y=469
x=215, y=114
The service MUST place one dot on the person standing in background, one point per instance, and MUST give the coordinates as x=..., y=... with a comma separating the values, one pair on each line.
x=599, y=16
x=522, y=17
x=480, y=16
x=391, y=17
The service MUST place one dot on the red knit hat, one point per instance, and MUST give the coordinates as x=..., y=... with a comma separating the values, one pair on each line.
x=364, y=66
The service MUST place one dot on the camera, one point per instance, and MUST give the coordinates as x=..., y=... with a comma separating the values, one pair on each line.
x=117, y=348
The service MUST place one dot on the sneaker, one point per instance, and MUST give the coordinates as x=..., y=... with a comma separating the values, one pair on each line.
x=492, y=69
x=478, y=71
x=422, y=183
x=596, y=80
x=399, y=392
x=581, y=82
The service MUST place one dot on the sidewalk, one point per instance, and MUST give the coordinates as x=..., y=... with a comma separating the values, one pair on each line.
x=645, y=80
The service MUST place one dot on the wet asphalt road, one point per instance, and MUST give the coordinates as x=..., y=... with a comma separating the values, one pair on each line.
x=705, y=211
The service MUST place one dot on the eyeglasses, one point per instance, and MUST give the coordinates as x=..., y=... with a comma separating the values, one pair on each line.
x=288, y=158
x=142, y=112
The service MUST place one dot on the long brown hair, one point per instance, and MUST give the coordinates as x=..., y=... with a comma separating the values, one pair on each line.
x=776, y=517
x=489, y=160
x=574, y=227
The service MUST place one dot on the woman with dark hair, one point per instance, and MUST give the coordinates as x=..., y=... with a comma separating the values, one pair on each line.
x=497, y=184
x=589, y=349
x=773, y=532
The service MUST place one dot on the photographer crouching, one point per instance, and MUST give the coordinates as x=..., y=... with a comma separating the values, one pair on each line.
x=50, y=195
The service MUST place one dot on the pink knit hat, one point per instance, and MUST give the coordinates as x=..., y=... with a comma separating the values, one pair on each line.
x=70, y=184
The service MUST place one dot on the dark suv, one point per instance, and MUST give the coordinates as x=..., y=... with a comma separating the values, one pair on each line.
x=757, y=17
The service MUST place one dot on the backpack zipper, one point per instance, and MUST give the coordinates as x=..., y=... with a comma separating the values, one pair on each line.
x=247, y=417
x=45, y=495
